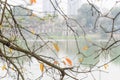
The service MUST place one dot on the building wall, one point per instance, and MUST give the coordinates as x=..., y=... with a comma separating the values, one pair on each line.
x=73, y=6
x=48, y=7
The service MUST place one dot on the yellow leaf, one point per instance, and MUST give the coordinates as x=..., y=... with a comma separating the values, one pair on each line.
x=32, y=31
x=81, y=60
x=23, y=69
x=89, y=40
x=3, y=67
x=0, y=26
x=68, y=61
x=12, y=38
x=56, y=47
x=41, y=67
x=106, y=66
x=10, y=50
x=85, y=48
x=12, y=68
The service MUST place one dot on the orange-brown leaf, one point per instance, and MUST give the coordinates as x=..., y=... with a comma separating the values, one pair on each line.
x=56, y=62
x=56, y=47
x=41, y=67
x=85, y=48
x=105, y=66
x=68, y=61
x=33, y=14
x=64, y=62
x=32, y=1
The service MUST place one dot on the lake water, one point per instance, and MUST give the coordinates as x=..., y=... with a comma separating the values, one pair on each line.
x=69, y=48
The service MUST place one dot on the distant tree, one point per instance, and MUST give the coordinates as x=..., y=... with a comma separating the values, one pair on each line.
x=113, y=13
x=87, y=14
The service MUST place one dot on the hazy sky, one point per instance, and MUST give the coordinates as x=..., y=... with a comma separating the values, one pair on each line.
x=103, y=4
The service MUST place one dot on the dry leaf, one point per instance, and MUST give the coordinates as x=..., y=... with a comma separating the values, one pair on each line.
x=68, y=61
x=85, y=48
x=105, y=66
x=56, y=47
x=3, y=67
x=41, y=67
